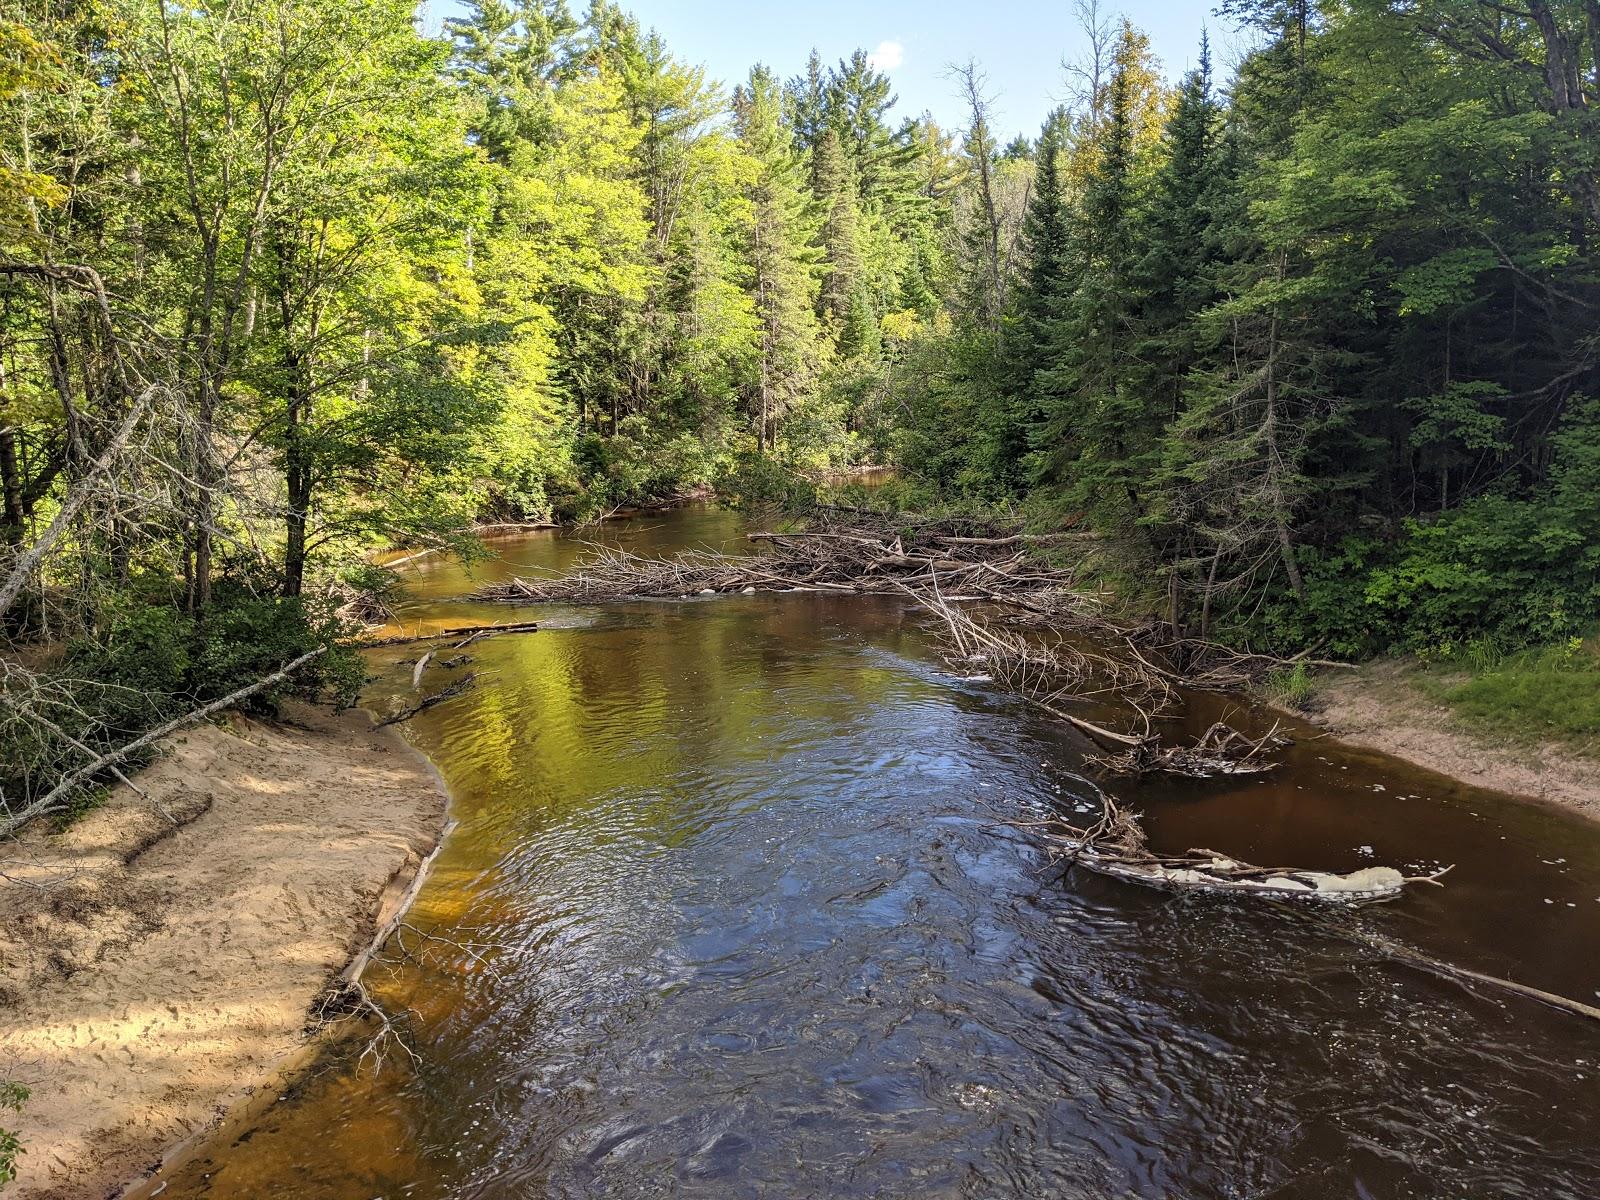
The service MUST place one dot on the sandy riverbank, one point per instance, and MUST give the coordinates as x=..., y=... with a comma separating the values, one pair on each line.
x=1376, y=706
x=157, y=967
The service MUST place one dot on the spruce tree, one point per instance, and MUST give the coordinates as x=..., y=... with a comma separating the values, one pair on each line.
x=781, y=280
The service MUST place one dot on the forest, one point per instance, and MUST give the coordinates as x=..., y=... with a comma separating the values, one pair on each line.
x=1307, y=350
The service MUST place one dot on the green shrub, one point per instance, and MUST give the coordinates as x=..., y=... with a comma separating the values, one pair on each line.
x=148, y=662
x=140, y=645
x=246, y=636
x=12, y=1096
x=1516, y=570
x=1335, y=614
x=754, y=479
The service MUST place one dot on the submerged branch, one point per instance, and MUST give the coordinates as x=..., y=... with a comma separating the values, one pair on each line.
x=1116, y=845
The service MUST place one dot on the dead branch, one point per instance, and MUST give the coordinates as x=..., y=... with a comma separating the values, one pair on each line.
x=422, y=665
x=1426, y=962
x=859, y=559
x=349, y=999
x=439, y=697
x=28, y=562
x=52, y=801
x=1045, y=675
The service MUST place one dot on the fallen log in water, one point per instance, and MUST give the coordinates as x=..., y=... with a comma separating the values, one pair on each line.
x=473, y=632
x=439, y=697
x=1116, y=845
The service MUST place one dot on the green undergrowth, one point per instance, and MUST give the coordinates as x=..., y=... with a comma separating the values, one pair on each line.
x=1289, y=687
x=12, y=1096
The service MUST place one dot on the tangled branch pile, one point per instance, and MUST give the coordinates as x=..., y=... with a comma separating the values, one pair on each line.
x=1220, y=750
x=1069, y=653
x=858, y=559
x=1116, y=845
x=1051, y=670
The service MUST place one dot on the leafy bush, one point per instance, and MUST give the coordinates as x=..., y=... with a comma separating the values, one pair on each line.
x=1334, y=613
x=141, y=645
x=1518, y=571
x=12, y=1096
x=757, y=479
x=246, y=637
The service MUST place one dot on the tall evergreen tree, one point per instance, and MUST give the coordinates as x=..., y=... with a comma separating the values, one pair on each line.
x=781, y=281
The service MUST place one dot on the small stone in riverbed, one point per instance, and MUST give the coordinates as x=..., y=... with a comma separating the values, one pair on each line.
x=749, y=591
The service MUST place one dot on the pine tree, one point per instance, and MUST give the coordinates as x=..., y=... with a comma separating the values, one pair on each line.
x=1097, y=436
x=781, y=280
x=841, y=297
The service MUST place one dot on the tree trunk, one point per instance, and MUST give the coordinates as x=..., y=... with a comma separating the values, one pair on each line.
x=297, y=472
x=12, y=518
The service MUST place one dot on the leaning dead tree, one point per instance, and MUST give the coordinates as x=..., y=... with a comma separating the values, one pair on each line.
x=102, y=492
x=57, y=797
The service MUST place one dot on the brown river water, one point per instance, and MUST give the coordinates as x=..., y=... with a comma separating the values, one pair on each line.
x=748, y=906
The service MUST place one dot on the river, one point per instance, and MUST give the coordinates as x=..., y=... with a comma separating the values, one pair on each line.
x=743, y=902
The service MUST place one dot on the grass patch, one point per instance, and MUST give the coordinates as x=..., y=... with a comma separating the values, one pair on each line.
x=1290, y=688
x=1547, y=694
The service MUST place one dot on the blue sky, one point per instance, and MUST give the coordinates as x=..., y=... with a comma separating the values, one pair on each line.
x=1019, y=43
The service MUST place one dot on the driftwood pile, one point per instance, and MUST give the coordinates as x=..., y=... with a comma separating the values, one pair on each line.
x=851, y=560
x=1007, y=618
x=1220, y=750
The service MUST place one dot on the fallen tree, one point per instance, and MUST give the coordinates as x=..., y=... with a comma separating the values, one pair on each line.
x=445, y=693
x=1116, y=845
x=1060, y=652
x=470, y=632
x=55, y=800
x=1057, y=652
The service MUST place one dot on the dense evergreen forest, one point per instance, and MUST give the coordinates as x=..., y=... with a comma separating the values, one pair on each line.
x=1309, y=353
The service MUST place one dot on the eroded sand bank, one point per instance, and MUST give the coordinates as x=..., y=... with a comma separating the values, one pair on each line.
x=157, y=960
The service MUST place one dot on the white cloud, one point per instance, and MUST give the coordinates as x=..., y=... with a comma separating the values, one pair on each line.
x=887, y=56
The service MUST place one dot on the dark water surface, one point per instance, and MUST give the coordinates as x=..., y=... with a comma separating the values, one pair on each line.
x=764, y=919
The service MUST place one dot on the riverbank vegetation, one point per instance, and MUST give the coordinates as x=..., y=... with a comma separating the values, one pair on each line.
x=1316, y=353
